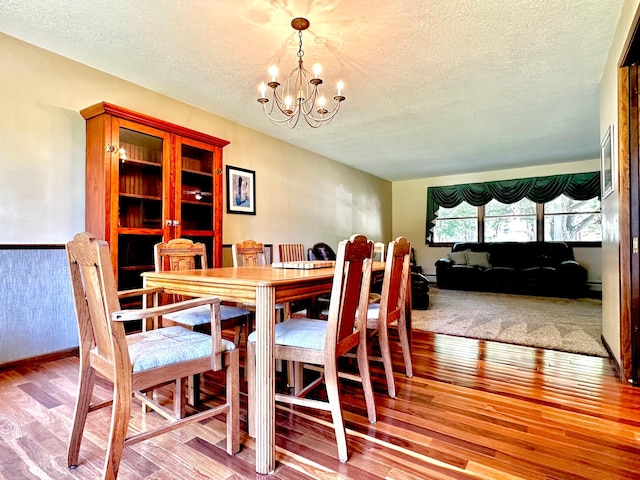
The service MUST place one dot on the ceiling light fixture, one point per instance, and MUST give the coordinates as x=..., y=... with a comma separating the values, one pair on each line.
x=300, y=95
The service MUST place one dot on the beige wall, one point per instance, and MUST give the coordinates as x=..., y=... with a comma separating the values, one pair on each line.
x=611, y=205
x=300, y=197
x=410, y=206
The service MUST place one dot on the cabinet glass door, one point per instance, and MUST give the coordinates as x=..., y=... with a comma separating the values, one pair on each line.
x=141, y=208
x=197, y=194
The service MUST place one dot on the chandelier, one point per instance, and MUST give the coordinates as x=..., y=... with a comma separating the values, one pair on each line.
x=300, y=95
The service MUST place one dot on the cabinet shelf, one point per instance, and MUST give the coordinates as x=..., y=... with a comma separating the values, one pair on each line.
x=197, y=233
x=197, y=172
x=140, y=196
x=200, y=203
x=139, y=231
x=138, y=161
x=137, y=268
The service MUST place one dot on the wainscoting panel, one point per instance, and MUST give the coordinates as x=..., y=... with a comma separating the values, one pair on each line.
x=37, y=316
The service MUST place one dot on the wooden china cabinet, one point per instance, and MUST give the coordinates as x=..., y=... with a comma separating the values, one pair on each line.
x=150, y=181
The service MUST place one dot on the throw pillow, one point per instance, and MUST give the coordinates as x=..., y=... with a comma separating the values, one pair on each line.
x=459, y=258
x=480, y=259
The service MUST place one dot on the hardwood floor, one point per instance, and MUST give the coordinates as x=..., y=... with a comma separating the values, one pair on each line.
x=474, y=409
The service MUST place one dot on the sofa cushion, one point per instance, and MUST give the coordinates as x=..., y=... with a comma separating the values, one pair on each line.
x=507, y=254
x=503, y=278
x=459, y=258
x=480, y=259
x=537, y=279
x=461, y=268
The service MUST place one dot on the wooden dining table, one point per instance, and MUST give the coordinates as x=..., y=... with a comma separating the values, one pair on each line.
x=263, y=286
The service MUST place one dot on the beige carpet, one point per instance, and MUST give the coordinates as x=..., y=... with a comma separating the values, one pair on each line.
x=570, y=325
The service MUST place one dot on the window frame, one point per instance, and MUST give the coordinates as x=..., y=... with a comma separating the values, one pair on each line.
x=539, y=230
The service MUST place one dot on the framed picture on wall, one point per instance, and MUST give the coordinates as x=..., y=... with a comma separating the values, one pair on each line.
x=607, y=163
x=241, y=190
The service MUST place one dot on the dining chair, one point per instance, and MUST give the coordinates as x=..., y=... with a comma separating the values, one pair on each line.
x=248, y=253
x=378, y=251
x=376, y=282
x=291, y=252
x=141, y=361
x=321, y=251
x=392, y=308
x=322, y=343
x=294, y=252
x=184, y=254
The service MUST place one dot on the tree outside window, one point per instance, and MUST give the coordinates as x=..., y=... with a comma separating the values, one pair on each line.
x=457, y=224
x=514, y=222
x=571, y=220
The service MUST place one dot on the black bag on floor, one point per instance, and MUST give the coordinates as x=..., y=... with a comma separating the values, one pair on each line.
x=419, y=291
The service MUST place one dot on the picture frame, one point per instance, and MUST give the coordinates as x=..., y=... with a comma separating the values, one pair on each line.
x=241, y=190
x=607, y=163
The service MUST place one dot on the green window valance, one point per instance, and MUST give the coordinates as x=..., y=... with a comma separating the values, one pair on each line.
x=578, y=186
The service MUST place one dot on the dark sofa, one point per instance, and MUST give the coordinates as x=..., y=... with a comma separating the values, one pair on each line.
x=532, y=268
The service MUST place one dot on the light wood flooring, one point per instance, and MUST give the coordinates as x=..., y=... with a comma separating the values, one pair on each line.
x=474, y=409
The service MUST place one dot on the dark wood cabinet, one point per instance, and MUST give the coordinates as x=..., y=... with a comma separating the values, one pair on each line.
x=148, y=181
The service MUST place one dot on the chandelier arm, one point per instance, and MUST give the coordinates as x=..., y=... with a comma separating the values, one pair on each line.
x=277, y=121
x=279, y=101
x=326, y=117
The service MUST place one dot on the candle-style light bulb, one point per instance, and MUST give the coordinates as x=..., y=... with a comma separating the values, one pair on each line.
x=263, y=89
x=340, y=87
x=273, y=71
x=322, y=101
x=287, y=101
x=317, y=70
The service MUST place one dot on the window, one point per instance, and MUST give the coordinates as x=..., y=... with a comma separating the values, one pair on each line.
x=571, y=220
x=458, y=224
x=515, y=222
x=562, y=219
x=523, y=209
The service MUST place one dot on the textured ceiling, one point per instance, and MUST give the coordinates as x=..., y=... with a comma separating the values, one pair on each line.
x=433, y=87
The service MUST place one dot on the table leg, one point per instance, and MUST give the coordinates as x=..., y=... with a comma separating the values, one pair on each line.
x=265, y=380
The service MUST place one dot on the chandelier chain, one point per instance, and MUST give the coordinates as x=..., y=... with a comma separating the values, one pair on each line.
x=300, y=51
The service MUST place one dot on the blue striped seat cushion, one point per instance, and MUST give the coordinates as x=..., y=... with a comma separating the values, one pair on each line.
x=299, y=332
x=202, y=315
x=166, y=346
x=373, y=313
